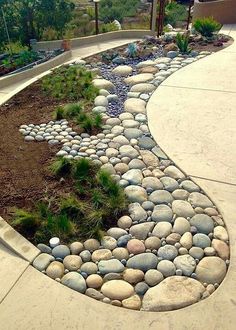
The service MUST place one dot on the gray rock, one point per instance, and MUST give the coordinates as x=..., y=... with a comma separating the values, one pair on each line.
x=159, y=153
x=181, y=226
x=189, y=186
x=186, y=263
x=182, y=209
x=211, y=270
x=162, y=213
x=153, y=277
x=89, y=268
x=174, y=172
x=161, y=197
x=162, y=229
x=152, y=183
x=146, y=142
x=136, y=164
x=141, y=288
x=166, y=267
x=74, y=281
x=110, y=266
x=137, y=213
x=128, y=151
x=167, y=252
x=201, y=240
x=44, y=248
x=116, y=232
x=200, y=200
x=203, y=223
x=170, y=184
x=95, y=294
x=143, y=261
x=134, y=176
x=42, y=261
x=136, y=194
x=132, y=133
x=172, y=54
x=60, y=251
x=196, y=252
x=180, y=194
x=140, y=231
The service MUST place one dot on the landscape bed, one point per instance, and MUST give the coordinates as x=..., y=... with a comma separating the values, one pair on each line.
x=167, y=247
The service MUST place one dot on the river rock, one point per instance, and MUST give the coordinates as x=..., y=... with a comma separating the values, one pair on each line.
x=140, y=231
x=186, y=263
x=149, y=158
x=222, y=249
x=221, y=233
x=153, y=277
x=181, y=225
x=201, y=240
x=74, y=281
x=142, y=88
x=203, y=223
x=133, y=276
x=136, y=194
x=162, y=213
x=101, y=254
x=42, y=261
x=167, y=252
x=60, y=251
x=161, y=197
x=139, y=78
x=122, y=70
x=55, y=270
x=134, y=105
x=72, y=262
x=110, y=266
x=134, y=176
x=173, y=293
x=133, y=302
x=117, y=289
x=104, y=84
x=166, y=267
x=182, y=209
x=143, y=261
x=162, y=229
x=211, y=270
x=198, y=199
x=135, y=246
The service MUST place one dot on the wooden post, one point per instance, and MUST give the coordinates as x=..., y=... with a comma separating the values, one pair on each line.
x=96, y=17
x=161, y=17
x=189, y=14
x=153, y=16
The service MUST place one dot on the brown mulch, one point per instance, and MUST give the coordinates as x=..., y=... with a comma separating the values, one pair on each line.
x=24, y=174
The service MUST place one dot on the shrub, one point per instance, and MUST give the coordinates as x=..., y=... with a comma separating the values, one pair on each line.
x=89, y=121
x=70, y=83
x=182, y=41
x=174, y=13
x=108, y=27
x=206, y=26
x=82, y=213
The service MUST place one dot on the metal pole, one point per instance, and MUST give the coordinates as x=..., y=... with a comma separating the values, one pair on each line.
x=189, y=14
x=96, y=17
x=6, y=28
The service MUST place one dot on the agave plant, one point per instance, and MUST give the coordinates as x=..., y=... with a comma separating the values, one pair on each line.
x=132, y=50
x=182, y=41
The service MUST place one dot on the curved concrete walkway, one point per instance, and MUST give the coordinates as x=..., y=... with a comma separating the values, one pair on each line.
x=30, y=300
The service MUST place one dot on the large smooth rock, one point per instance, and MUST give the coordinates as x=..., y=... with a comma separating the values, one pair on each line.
x=203, y=223
x=149, y=158
x=134, y=176
x=139, y=78
x=168, y=252
x=42, y=261
x=122, y=70
x=181, y=226
x=55, y=270
x=103, y=84
x=128, y=151
x=221, y=248
x=143, y=88
x=182, y=209
x=198, y=199
x=143, y=261
x=137, y=213
x=136, y=194
x=162, y=213
x=152, y=182
x=110, y=266
x=74, y=281
x=173, y=293
x=134, y=105
x=186, y=263
x=162, y=229
x=211, y=270
x=161, y=197
x=117, y=289
x=174, y=172
x=141, y=230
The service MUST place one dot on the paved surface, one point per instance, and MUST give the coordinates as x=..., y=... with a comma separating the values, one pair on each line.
x=31, y=300
x=84, y=51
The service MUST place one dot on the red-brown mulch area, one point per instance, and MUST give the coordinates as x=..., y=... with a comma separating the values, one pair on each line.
x=24, y=174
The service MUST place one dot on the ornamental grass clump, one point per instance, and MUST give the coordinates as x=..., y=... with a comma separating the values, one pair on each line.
x=93, y=203
x=70, y=83
x=182, y=42
x=206, y=26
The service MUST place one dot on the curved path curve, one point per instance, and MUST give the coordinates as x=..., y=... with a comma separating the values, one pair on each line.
x=30, y=300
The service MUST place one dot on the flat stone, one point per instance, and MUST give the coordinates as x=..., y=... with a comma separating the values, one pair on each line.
x=60, y=251
x=152, y=183
x=103, y=84
x=121, y=140
x=145, y=64
x=74, y=281
x=141, y=230
x=211, y=270
x=130, y=123
x=143, y=88
x=203, y=223
x=146, y=143
x=135, y=246
x=161, y=197
x=122, y=70
x=222, y=249
x=132, y=133
x=143, y=261
x=136, y=194
x=139, y=78
x=173, y=293
x=180, y=194
x=136, y=164
x=117, y=289
x=134, y=105
x=89, y=268
x=108, y=242
x=197, y=199
x=182, y=209
x=101, y=101
x=95, y=294
x=153, y=277
x=186, y=263
x=162, y=213
x=110, y=266
x=120, y=253
x=162, y=229
x=116, y=232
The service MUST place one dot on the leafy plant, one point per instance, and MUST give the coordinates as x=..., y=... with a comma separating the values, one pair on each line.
x=174, y=13
x=108, y=27
x=89, y=121
x=182, y=41
x=206, y=26
x=132, y=50
x=70, y=82
x=61, y=167
x=25, y=220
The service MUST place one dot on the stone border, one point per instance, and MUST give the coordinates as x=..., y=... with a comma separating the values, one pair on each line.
x=78, y=42
x=36, y=70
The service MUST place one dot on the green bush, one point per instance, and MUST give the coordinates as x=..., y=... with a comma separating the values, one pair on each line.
x=108, y=27
x=182, y=41
x=206, y=26
x=70, y=83
x=82, y=213
x=174, y=13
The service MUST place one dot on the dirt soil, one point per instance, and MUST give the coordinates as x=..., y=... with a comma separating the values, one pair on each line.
x=24, y=174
